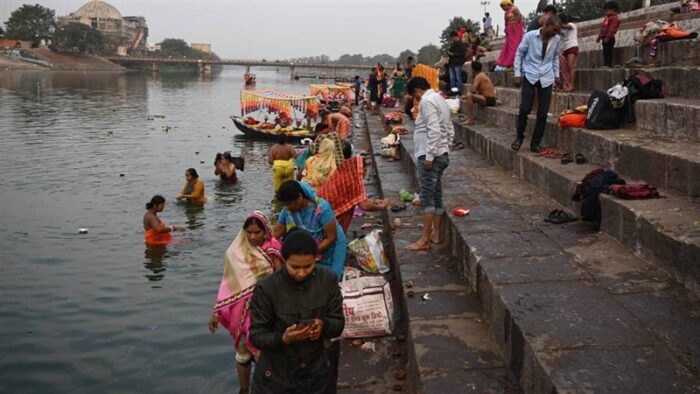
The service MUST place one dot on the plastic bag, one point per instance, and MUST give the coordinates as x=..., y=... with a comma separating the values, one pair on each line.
x=369, y=253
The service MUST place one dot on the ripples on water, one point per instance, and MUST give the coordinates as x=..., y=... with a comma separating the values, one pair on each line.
x=100, y=311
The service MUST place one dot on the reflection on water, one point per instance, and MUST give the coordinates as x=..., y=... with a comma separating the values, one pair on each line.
x=84, y=150
x=154, y=263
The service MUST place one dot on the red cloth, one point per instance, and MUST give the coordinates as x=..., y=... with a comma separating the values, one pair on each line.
x=345, y=218
x=572, y=120
x=345, y=188
x=460, y=33
x=635, y=191
x=609, y=27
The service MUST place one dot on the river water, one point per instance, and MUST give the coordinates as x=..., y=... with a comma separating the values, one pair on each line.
x=99, y=312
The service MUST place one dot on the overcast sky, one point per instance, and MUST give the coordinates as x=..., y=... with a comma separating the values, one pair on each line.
x=285, y=29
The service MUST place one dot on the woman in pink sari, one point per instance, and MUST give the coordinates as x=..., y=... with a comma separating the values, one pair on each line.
x=515, y=30
x=253, y=255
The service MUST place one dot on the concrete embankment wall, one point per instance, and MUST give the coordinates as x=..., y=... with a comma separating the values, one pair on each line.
x=33, y=59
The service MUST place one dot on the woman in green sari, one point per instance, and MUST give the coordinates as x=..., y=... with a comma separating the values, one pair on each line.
x=399, y=87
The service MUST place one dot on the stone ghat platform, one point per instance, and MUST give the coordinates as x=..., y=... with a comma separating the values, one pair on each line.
x=660, y=148
x=571, y=310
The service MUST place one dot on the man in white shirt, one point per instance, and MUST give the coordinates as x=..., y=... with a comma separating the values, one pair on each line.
x=537, y=69
x=432, y=140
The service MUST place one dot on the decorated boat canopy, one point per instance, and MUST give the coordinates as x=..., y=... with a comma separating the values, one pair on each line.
x=337, y=91
x=277, y=102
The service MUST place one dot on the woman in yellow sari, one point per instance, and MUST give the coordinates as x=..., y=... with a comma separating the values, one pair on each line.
x=328, y=156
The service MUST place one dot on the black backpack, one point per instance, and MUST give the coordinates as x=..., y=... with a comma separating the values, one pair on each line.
x=643, y=87
x=601, y=115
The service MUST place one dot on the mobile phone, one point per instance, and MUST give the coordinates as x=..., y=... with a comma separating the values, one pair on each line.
x=305, y=322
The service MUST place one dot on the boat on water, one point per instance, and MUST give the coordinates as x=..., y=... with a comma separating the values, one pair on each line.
x=292, y=114
x=255, y=131
x=249, y=78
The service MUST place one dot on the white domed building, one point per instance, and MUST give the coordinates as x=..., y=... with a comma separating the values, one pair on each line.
x=131, y=32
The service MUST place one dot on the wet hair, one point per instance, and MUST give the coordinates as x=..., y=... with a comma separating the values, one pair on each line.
x=253, y=220
x=409, y=59
x=282, y=138
x=299, y=242
x=218, y=158
x=476, y=66
x=227, y=155
x=611, y=5
x=192, y=172
x=417, y=83
x=453, y=33
x=289, y=191
x=347, y=150
x=553, y=20
x=550, y=8
x=156, y=200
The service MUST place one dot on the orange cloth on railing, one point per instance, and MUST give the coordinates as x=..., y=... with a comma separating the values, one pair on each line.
x=429, y=73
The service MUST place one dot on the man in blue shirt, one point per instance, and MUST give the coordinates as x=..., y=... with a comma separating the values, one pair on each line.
x=537, y=60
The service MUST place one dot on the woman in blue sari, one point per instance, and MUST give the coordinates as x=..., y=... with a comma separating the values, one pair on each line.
x=303, y=209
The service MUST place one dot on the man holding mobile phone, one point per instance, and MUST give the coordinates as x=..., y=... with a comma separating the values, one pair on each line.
x=294, y=312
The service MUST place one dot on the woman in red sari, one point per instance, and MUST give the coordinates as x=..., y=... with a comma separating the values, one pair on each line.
x=515, y=30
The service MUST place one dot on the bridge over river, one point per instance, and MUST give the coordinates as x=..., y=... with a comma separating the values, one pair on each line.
x=205, y=65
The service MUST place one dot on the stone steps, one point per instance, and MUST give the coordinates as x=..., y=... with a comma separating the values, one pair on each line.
x=666, y=230
x=666, y=164
x=670, y=119
x=571, y=309
x=450, y=345
x=680, y=53
x=678, y=82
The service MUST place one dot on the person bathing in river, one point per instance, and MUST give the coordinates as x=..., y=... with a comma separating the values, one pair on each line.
x=253, y=255
x=305, y=210
x=281, y=157
x=156, y=232
x=193, y=191
x=224, y=167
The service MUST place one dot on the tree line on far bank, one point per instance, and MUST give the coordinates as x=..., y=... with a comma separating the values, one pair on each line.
x=35, y=22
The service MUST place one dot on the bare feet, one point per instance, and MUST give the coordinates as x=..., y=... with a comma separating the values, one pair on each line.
x=468, y=122
x=435, y=238
x=419, y=245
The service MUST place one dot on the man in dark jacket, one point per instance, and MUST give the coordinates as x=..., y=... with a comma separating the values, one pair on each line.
x=457, y=54
x=294, y=314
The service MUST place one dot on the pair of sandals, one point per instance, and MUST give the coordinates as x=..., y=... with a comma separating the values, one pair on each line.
x=578, y=158
x=558, y=216
x=550, y=154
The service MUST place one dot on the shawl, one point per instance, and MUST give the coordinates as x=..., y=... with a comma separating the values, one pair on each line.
x=345, y=188
x=245, y=265
x=324, y=163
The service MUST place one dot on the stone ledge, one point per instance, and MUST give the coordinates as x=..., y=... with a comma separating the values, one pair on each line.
x=667, y=164
x=671, y=119
x=655, y=232
x=678, y=82
x=564, y=309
